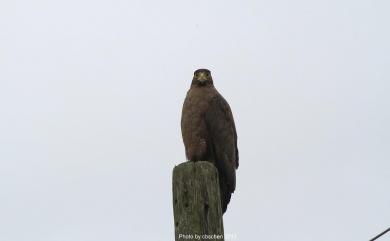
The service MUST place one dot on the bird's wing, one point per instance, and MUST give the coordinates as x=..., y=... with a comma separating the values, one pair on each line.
x=222, y=134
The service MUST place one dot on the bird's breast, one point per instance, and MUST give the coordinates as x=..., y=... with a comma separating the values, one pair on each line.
x=194, y=128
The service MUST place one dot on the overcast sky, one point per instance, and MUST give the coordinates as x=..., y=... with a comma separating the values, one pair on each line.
x=90, y=102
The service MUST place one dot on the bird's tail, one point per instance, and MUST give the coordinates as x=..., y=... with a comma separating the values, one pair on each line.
x=225, y=195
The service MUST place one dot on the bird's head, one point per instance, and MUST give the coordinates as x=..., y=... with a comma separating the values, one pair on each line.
x=202, y=77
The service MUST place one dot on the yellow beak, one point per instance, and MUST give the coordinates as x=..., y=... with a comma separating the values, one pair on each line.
x=202, y=77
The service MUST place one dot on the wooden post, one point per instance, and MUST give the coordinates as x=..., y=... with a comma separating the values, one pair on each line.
x=196, y=202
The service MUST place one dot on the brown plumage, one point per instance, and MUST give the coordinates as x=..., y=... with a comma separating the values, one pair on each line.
x=209, y=133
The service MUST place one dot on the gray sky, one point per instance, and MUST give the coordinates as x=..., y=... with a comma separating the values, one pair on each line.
x=90, y=101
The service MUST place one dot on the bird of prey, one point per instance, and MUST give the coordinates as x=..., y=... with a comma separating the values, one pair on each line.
x=209, y=133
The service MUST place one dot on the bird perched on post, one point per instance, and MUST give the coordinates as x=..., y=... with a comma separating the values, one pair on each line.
x=209, y=133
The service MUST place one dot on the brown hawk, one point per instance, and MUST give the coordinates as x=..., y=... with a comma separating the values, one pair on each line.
x=209, y=133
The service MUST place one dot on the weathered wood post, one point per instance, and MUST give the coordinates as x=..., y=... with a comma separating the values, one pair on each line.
x=196, y=202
